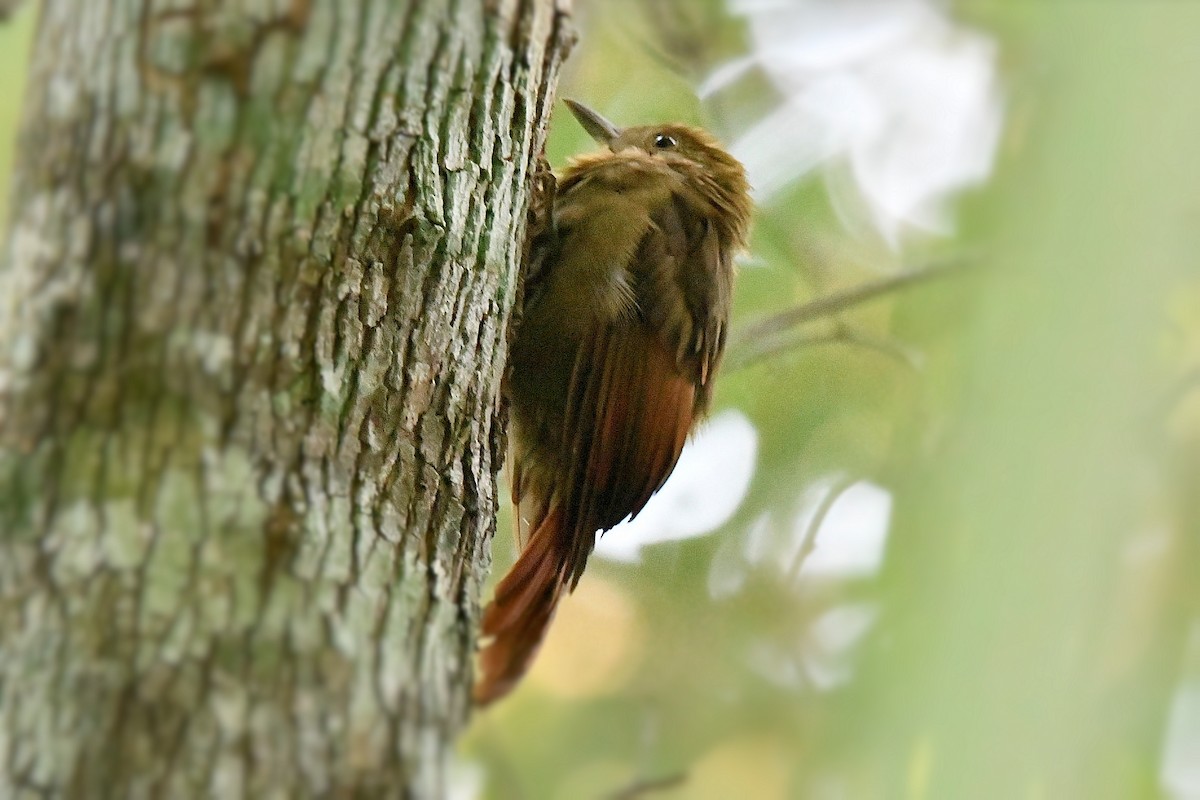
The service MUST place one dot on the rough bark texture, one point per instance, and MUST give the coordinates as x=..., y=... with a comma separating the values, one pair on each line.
x=253, y=316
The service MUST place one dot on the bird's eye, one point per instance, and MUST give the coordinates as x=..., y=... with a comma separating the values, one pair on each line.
x=664, y=142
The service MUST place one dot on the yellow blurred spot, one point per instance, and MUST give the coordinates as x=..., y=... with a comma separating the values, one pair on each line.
x=747, y=768
x=593, y=644
x=1183, y=309
x=1184, y=420
x=920, y=766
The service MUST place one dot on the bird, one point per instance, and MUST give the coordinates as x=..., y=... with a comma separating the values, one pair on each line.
x=627, y=301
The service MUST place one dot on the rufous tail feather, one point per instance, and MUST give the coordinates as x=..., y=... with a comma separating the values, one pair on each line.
x=516, y=620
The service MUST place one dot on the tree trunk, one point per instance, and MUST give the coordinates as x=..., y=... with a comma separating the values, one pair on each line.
x=253, y=317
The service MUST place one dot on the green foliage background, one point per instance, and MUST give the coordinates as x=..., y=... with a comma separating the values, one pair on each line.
x=1042, y=566
x=1036, y=616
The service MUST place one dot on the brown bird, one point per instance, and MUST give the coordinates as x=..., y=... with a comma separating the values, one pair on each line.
x=627, y=305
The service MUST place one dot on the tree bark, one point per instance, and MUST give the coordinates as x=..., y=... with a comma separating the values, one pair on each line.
x=254, y=310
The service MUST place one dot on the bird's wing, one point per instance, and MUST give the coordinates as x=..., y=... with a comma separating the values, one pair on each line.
x=640, y=383
x=628, y=414
x=685, y=280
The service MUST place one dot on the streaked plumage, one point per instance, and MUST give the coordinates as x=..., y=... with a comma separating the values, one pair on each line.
x=624, y=325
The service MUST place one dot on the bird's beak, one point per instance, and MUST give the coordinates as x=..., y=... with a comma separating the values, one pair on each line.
x=597, y=126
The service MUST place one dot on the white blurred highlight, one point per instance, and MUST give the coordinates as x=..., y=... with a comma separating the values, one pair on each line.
x=1181, y=760
x=848, y=542
x=1181, y=752
x=900, y=98
x=825, y=659
x=829, y=661
x=708, y=484
x=466, y=780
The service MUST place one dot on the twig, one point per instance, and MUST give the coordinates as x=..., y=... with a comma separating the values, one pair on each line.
x=808, y=542
x=647, y=786
x=747, y=356
x=908, y=356
x=774, y=326
x=743, y=357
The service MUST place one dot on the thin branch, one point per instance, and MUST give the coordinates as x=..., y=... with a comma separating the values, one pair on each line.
x=752, y=353
x=743, y=345
x=808, y=542
x=647, y=786
x=747, y=356
x=908, y=356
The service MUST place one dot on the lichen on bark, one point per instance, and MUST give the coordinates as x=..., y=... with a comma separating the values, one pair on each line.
x=253, y=316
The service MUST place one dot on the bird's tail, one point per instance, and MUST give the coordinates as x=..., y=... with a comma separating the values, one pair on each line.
x=517, y=618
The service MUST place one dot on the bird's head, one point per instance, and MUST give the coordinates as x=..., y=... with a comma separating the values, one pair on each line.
x=674, y=142
x=689, y=150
